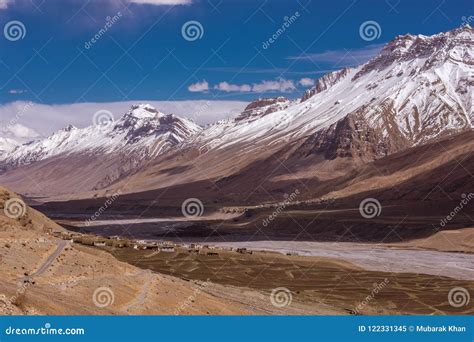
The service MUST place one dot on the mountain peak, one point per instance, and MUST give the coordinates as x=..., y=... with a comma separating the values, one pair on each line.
x=262, y=107
x=69, y=128
x=143, y=132
x=455, y=45
x=325, y=82
x=144, y=111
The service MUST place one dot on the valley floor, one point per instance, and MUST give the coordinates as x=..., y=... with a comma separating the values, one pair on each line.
x=446, y=253
x=321, y=276
x=374, y=257
x=314, y=282
x=310, y=277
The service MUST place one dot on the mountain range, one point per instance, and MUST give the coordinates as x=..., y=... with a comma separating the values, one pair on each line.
x=418, y=90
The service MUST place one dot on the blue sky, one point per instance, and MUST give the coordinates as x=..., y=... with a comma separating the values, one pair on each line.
x=143, y=55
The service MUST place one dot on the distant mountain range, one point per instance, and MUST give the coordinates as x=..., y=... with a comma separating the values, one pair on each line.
x=417, y=90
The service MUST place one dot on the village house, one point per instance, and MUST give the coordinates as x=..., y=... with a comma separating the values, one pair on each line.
x=243, y=251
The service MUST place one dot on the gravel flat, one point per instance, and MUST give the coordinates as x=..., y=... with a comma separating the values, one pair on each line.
x=374, y=257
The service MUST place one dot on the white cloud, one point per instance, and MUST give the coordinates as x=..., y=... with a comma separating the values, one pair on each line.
x=199, y=87
x=228, y=87
x=160, y=2
x=306, y=82
x=17, y=133
x=23, y=132
x=344, y=57
x=4, y=3
x=45, y=119
x=17, y=91
x=280, y=85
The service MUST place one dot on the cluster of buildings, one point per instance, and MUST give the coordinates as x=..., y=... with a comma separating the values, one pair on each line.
x=159, y=246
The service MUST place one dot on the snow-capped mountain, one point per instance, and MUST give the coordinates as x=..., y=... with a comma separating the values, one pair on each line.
x=142, y=132
x=13, y=134
x=100, y=154
x=263, y=106
x=7, y=145
x=419, y=88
